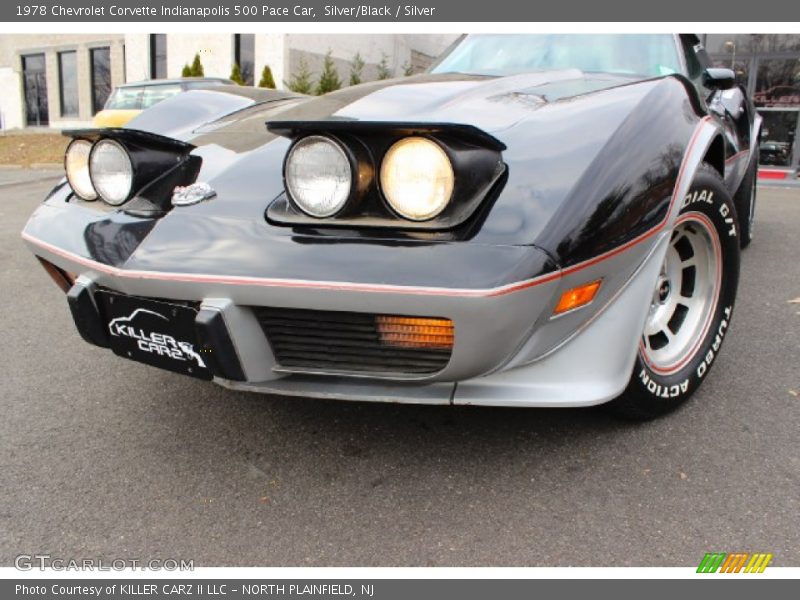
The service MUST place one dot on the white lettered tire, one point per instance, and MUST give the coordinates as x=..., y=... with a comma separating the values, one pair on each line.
x=692, y=304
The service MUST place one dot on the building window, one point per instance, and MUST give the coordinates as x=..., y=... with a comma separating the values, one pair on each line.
x=729, y=45
x=68, y=83
x=778, y=83
x=740, y=67
x=35, y=81
x=158, y=56
x=747, y=43
x=101, y=77
x=244, y=55
x=778, y=132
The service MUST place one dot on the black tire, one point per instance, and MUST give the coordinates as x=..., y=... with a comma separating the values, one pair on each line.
x=745, y=202
x=708, y=214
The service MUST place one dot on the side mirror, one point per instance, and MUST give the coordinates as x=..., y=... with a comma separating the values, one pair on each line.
x=719, y=79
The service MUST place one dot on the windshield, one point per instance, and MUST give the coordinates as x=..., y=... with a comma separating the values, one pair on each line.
x=640, y=55
x=140, y=97
x=155, y=94
x=125, y=98
x=200, y=85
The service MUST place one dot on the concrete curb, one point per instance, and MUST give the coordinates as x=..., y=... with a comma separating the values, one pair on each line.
x=784, y=183
x=16, y=177
x=32, y=166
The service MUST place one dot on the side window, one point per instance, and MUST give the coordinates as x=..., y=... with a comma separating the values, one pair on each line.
x=697, y=61
x=695, y=56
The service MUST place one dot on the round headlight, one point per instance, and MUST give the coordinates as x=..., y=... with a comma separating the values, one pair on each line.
x=76, y=164
x=111, y=171
x=318, y=176
x=417, y=178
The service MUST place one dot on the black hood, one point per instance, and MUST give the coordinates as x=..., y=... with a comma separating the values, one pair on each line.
x=492, y=104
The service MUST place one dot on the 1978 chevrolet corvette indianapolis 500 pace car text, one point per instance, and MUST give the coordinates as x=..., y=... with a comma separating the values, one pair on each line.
x=539, y=220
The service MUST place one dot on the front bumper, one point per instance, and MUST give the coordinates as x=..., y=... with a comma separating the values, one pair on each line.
x=490, y=326
x=591, y=366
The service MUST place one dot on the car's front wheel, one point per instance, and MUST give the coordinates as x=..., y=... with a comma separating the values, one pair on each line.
x=692, y=303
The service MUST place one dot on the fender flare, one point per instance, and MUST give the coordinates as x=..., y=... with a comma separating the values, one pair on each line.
x=704, y=134
x=755, y=137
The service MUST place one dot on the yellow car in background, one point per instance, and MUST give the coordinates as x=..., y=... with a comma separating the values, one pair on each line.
x=130, y=99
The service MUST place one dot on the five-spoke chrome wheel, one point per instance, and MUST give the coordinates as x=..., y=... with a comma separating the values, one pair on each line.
x=684, y=298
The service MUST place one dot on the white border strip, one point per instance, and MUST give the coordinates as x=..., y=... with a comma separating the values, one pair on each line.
x=318, y=573
x=333, y=28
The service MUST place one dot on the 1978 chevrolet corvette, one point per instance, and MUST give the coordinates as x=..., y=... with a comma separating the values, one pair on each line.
x=540, y=220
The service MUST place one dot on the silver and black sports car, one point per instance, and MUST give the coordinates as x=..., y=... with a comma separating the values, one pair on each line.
x=539, y=220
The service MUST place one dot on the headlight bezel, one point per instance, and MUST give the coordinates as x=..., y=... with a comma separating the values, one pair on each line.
x=158, y=164
x=475, y=157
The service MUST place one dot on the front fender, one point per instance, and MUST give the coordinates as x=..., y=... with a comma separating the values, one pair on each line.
x=617, y=266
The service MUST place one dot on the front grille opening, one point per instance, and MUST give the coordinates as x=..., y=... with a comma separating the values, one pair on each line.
x=351, y=342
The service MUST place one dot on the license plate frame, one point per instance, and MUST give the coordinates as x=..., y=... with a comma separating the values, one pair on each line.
x=158, y=333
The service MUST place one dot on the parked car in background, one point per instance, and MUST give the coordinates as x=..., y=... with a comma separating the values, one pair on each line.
x=774, y=153
x=129, y=99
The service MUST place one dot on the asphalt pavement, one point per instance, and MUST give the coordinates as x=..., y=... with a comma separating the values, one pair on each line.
x=105, y=458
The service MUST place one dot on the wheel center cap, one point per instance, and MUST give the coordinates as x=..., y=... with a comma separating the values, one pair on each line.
x=662, y=290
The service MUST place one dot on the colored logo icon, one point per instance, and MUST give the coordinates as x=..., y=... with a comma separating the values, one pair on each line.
x=736, y=562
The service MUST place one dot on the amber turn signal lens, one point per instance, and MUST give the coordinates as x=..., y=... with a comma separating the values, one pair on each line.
x=577, y=297
x=63, y=279
x=415, y=332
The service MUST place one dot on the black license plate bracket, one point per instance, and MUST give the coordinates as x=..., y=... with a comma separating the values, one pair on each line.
x=154, y=332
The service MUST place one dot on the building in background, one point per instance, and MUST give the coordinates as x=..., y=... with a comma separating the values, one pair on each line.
x=57, y=80
x=61, y=81
x=150, y=56
x=769, y=66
